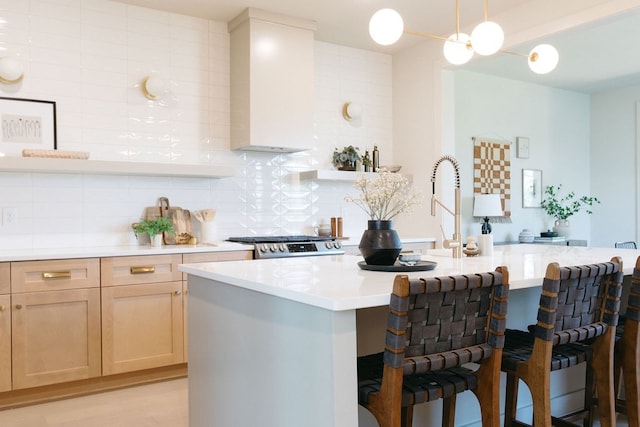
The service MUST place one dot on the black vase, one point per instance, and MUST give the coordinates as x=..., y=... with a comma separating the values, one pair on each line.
x=380, y=243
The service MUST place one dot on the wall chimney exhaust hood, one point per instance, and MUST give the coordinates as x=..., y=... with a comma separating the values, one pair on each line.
x=272, y=66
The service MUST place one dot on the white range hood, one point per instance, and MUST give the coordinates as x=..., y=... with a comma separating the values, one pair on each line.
x=272, y=63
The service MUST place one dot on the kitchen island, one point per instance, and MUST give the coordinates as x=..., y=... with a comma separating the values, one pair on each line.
x=273, y=343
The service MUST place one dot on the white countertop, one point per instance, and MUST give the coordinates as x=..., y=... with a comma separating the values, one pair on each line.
x=111, y=251
x=337, y=283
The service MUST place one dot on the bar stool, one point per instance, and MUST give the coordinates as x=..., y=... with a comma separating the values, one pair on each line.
x=434, y=327
x=627, y=353
x=576, y=322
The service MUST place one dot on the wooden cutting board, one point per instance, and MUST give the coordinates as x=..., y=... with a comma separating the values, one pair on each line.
x=181, y=219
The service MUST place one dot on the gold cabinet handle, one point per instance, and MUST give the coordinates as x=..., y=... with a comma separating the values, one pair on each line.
x=2, y=307
x=18, y=306
x=56, y=275
x=143, y=269
x=178, y=292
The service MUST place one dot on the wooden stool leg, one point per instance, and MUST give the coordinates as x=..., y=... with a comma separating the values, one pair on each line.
x=603, y=371
x=449, y=411
x=631, y=370
x=406, y=416
x=511, y=400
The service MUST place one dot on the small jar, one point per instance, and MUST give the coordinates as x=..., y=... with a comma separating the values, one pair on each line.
x=526, y=236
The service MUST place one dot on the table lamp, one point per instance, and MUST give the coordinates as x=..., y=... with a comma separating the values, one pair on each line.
x=486, y=205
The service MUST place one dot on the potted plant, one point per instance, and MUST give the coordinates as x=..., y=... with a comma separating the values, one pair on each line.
x=346, y=158
x=383, y=198
x=154, y=228
x=563, y=207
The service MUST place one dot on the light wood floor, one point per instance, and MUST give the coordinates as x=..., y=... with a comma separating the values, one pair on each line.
x=163, y=404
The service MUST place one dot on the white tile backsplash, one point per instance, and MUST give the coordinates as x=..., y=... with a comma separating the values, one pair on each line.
x=91, y=56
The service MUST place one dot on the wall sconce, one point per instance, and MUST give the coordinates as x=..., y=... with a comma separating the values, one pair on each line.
x=351, y=111
x=11, y=70
x=154, y=87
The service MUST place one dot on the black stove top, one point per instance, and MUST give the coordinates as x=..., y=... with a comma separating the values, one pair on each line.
x=280, y=239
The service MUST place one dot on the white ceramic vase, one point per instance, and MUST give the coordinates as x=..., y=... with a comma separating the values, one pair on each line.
x=156, y=241
x=563, y=228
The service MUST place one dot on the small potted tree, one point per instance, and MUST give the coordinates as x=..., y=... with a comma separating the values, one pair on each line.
x=346, y=159
x=154, y=228
x=563, y=207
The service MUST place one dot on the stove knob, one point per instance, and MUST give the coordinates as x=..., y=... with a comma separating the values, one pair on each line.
x=273, y=247
x=328, y=245
x=282, y=247
x=337, y=245
x=262, y=248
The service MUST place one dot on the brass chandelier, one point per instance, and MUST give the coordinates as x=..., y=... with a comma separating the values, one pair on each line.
x=386, y=27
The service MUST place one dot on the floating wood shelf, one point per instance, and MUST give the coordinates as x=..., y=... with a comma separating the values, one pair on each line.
x=101, y=167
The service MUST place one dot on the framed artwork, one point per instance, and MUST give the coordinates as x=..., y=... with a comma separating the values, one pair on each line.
x=522, y=147
x=27, y=124
x=531, y=188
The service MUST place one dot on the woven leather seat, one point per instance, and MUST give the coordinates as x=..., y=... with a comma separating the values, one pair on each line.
x=435, y=326
x=577, y=316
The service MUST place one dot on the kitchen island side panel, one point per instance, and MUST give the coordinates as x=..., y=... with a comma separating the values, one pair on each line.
x=259, y=360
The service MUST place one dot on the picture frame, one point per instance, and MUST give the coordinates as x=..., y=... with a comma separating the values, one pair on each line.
x=531, y=188
x=27, y=124
x=522, y=147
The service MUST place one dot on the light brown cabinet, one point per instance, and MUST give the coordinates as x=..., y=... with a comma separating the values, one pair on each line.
x=142, y=313
x=55, y=321
x=5, y=327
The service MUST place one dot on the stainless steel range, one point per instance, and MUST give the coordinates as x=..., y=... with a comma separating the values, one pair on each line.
x=291, y=246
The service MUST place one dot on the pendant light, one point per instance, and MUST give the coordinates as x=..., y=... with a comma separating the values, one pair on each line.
x=386, y=27
x=457, y=49
x=487, y=37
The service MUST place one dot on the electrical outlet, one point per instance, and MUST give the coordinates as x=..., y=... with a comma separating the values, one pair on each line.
x=9, y=216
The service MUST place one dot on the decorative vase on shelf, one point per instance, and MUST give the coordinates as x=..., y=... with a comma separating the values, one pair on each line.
x=526, y=236
x=380, y=243
x=562, y=227
x=156, y=240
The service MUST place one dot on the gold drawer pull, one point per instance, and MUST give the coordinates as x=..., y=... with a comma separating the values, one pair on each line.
x=56, y=275
x=143, y=269
x=2, y=307
x=178, y=292
x=18, y=306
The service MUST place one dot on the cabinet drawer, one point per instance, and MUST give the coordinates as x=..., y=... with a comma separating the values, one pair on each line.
x=38, y=276
x=135, y=270
x=5, y=277
x=215, y=257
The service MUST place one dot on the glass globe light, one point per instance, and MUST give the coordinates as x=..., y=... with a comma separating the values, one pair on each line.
x=386, y=26
x=11, y=70
x=543, y=59
x=487, y=38
x=457, y=49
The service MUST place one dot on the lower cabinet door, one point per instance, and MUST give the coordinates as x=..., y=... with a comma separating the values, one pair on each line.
x=55, y=337
x=142, y=327
x=5, y=343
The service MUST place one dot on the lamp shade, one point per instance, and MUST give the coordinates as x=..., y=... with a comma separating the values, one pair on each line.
x=386, y=27
x=485, y=205
x=487, y=38
x=543, y=59
x=457, y=49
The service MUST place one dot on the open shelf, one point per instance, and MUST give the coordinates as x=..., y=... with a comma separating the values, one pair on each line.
x=102, y=167
x=335, y=175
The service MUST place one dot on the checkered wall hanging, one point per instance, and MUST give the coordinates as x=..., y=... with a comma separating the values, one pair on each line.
x=492, y=171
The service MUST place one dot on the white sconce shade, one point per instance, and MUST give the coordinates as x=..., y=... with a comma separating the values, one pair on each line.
x=457, y=49
x=487, y=38
x=543, y=59
x=154, y=87
x=386, y=27
x=351, y=111
x=11, y=70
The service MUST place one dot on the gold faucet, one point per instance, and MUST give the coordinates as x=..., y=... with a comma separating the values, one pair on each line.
x=455, y=243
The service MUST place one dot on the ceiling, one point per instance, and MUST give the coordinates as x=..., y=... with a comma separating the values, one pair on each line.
x=592, y=58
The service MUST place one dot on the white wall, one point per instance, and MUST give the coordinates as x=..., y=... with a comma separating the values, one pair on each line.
x=557, y=125
x=91, y=56
x=614, y=165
